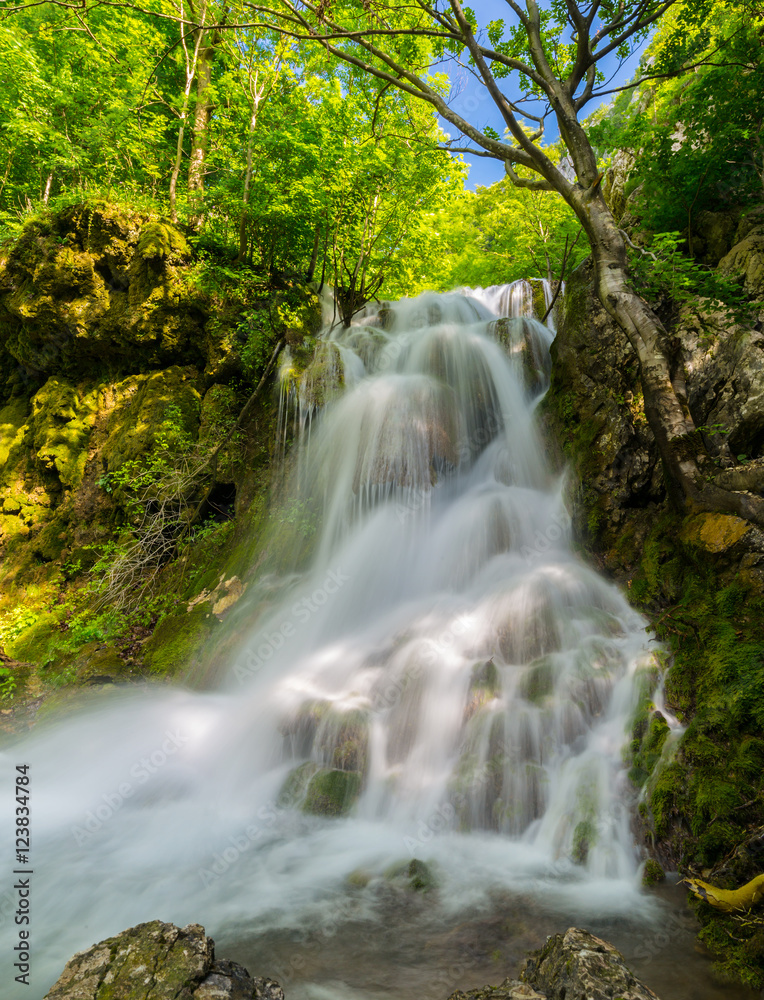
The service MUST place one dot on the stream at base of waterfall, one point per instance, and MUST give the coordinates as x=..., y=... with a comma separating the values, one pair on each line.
x=413, y=770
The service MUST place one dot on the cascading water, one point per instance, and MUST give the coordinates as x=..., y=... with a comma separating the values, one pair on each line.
x=448, y=681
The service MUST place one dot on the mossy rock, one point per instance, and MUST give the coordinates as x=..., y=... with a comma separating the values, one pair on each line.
x=584, y=838
x=178, y=639
x=51, y=541
x=323, y=379
x=342, y=739
x=714, y=533
x=538, y=680
x=332, y=792
x=72, y=699
x=14, y=417
x=142, y=413
x=62, y=419
x=38, y=642
x=154, y=960
x=97, y=661
x=164, y=241
x=416, y=875
x=421, y=878
x=93, y=290
x=747, y=259
x=486, y=677
x=652, y=873
x=294, y=789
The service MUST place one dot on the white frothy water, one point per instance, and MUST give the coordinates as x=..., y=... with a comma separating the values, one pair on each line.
x=448, y=677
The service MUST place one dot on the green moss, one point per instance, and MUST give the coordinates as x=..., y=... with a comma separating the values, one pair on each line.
x=332, y=792
x=295, y=787
x=538, y=680
x=649, y=738
x=62, y=418
x=584, y=838
x=163, y=240
x=13, y=419
x=415, y=875
x=142, y=413
x=737, y=943
x=38, y=641
x=178, y=640
x=652, y=873
x=421, y=878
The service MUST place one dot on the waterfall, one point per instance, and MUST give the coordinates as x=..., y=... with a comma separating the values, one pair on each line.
x=447, y=681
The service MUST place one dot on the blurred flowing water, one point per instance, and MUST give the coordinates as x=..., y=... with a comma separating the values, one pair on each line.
x=448, y=681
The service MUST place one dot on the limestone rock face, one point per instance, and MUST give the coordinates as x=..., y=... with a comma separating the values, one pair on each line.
x=615, y=181
x=597, y=411
x=161, y=962
x=747, y=258
x=94, y=286
x=580, y=966
x=724, y=373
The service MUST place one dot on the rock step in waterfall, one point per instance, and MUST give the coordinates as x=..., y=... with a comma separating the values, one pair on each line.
x=447, y=681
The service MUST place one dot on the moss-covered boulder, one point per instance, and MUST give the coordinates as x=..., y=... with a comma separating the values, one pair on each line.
x=94, y=289
x=332, y=792
x=652, y=873
x=579, y=966
x=158, y=961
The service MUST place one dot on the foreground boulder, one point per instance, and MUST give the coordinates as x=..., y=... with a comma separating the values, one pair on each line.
x=158, y=961
x=510, y=989
x=580, y=966
x=573, y=966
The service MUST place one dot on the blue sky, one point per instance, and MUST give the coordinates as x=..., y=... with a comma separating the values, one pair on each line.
x=472, y=101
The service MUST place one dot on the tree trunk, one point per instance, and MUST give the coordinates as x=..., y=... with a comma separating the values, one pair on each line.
x=247, y=185
x=314, y=256
x=201, y=135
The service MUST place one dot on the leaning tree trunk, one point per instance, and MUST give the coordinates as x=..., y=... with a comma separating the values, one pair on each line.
x=668, y=416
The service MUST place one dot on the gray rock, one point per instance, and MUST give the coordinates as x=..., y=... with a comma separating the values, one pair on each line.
x=510, y=989
x=161, y=962
x=747, y=258
x=580, y=966
x=724, y=371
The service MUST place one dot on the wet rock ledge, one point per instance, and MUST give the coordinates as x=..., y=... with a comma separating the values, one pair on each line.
x=157, y=961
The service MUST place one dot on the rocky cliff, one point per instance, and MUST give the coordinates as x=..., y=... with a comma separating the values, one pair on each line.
x=130, y=495
x=698, y=577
